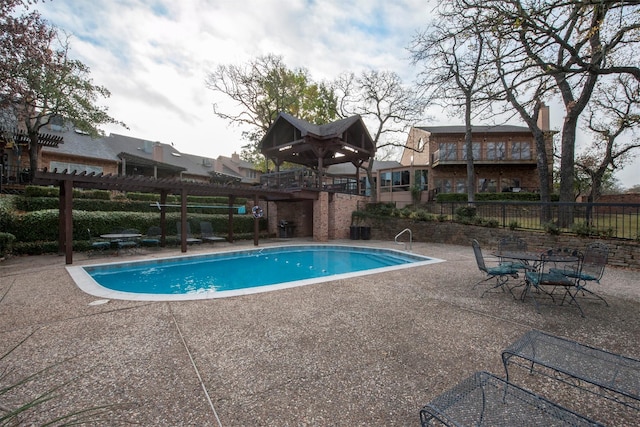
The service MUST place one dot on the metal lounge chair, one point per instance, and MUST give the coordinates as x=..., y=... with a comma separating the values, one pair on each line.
x=190, y=238
x=500, y=273
x=127, y=243
x=206, y=231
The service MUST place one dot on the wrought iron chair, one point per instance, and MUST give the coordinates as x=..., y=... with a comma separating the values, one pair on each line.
x=513, y=244
x=97, y=245
x=130, y=243
x=152, y=238
x=500, y=273
x=548, y=276
x=591, y=269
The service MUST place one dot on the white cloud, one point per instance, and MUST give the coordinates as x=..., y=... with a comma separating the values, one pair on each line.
x=154, y=55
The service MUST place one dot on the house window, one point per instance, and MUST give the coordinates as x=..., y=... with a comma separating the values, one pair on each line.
x=521, y=150
x=496, y=151
x=476, y=148
x=444, y=185
x=461, y=185
x=400, y=181
x=385, y=182
x=510, y=185
x=487, y=185
x=448, y=151
x=421, y=179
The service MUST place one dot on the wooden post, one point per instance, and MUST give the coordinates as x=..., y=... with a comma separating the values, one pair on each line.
x=232, y=199
x=61, y=221
x=183, y=220
x=163, y=218
x=68, y=220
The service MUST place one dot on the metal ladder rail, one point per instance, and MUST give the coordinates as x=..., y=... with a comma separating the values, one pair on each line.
x=405, y=243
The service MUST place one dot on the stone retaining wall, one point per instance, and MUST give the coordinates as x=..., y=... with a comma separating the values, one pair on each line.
x=622, y=253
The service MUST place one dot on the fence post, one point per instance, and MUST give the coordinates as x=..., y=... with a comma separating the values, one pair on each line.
x=504, y=215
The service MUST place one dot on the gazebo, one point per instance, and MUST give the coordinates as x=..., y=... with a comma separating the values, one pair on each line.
x=294, y=140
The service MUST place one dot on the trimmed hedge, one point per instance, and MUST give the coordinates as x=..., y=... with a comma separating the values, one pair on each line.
x=43, y=225
x=37, y=191
x=488, y=197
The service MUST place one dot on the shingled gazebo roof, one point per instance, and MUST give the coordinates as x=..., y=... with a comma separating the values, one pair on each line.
x=290, y=139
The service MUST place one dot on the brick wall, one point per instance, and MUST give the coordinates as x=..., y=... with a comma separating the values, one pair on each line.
x=622, y=253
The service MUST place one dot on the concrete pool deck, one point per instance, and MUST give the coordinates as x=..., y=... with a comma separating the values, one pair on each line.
x=368, y=350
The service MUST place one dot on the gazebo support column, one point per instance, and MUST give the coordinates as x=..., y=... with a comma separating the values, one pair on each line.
x=321, y=217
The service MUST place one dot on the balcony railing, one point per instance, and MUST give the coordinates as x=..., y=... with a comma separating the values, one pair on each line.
x=304, y=178
x=459, y=156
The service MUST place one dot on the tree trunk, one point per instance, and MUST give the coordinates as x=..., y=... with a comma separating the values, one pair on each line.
x=33, y=152
x=468, y=145
x=374, y=191
x=567, y=159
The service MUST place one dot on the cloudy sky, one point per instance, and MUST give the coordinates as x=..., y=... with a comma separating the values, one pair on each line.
x=154, y=55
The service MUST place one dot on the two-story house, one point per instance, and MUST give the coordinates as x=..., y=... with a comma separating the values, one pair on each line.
x=435, y=161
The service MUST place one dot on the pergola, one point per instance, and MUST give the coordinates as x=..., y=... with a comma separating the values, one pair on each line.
x=21, y=137
x=290, y=139
x=68, y=181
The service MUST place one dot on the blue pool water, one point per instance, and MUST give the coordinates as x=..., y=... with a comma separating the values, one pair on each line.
x=238, y=272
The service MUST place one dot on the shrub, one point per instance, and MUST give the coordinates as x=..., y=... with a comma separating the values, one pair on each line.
x=513, y=225
x=380, y=209
x=6, y=243
x=583, y=229
x=552, y=228
x=465, y=213
x=422, y=215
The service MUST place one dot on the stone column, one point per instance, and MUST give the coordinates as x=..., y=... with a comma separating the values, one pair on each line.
x=321, y=218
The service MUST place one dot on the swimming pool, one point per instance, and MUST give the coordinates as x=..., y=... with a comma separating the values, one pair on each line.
x=224, y=274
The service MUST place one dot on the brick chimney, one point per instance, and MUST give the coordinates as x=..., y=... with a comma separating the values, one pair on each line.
x=158, y=153
x=543, y=118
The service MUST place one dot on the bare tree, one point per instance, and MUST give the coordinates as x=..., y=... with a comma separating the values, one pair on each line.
x=574, y=42
x=385, y=103
x=613, y=112
x=456, y=73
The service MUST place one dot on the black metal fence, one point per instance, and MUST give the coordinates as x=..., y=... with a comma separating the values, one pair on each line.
x=619, y=220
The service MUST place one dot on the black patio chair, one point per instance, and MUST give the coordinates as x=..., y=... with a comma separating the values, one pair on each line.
x=500, y=272
x=190, y=238
x=152, y=238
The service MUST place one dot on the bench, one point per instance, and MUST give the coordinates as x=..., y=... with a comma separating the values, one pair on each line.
x=484, y=399
x=614, y=376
